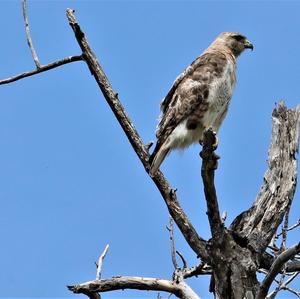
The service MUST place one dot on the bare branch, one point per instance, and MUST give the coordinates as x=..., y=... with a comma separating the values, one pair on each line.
x=28, y=36
x=182, y=259
x=180, y=290
x=209, y=165
x=259, y=224
x=170, y=228
x=149, y=145
x=292, y=291
x=291, y=278
x=202, y=269
x=267, y=260
x=290, y=228
x=275, y=269
x=284, y=286
x=43, y=68
x=100, y=262
x=193, y=239
x=278, y=288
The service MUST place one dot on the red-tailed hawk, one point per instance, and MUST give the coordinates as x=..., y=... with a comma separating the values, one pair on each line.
x=199, y=97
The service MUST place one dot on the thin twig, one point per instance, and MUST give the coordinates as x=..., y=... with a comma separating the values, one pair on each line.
x=290, y=228
x=182, y=259
x=291, y=278
x=285, y=228
x=278, y=288
x=297, y=293
x=170, y=228
x=28, y=36
x=100, y=262
x=43, y=68
x=284, y=286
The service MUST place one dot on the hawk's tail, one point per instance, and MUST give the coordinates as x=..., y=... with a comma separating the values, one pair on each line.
x=157, y=157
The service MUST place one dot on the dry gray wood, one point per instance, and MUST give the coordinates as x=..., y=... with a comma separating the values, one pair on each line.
x=180, y=290
x=258, y=225
x=100, y=262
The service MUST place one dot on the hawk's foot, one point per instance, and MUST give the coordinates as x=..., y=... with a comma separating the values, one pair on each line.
x=216, y=142
x=210, y=139
x=209, y=145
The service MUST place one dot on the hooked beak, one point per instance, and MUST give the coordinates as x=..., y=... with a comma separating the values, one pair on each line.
x=248, y=45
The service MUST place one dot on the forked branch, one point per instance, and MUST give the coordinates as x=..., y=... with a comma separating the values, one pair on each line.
x=39, y=68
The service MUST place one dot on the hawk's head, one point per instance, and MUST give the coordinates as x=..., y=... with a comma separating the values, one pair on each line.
x=235, y=41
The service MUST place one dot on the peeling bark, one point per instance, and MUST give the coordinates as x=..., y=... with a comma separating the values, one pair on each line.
x=258, y=225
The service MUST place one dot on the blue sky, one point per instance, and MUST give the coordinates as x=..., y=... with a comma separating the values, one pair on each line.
x=70, y=182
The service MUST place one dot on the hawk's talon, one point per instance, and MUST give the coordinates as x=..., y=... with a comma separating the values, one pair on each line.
x=216, y=142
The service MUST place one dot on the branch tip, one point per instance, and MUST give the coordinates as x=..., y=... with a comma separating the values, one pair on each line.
x=100, y=262
x=182, y=259
x=149, y=145
x=28, y=36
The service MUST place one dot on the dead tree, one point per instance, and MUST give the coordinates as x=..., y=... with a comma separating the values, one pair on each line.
x=233, y=255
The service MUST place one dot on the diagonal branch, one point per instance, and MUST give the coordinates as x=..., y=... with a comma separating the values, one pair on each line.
x=43, y=68
x=180, y=290
x=267, y=260
x=28, y=36
x=275, y=269
x=283, y=286
x=258, y=225
x=169, y=195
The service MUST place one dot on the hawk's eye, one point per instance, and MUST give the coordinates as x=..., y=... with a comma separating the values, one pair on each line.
x=238, y=37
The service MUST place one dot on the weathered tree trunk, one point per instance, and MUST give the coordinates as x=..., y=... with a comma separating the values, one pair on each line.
x=234, y=269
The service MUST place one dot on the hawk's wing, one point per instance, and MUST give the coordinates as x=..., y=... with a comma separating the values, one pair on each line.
x=189, y=93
